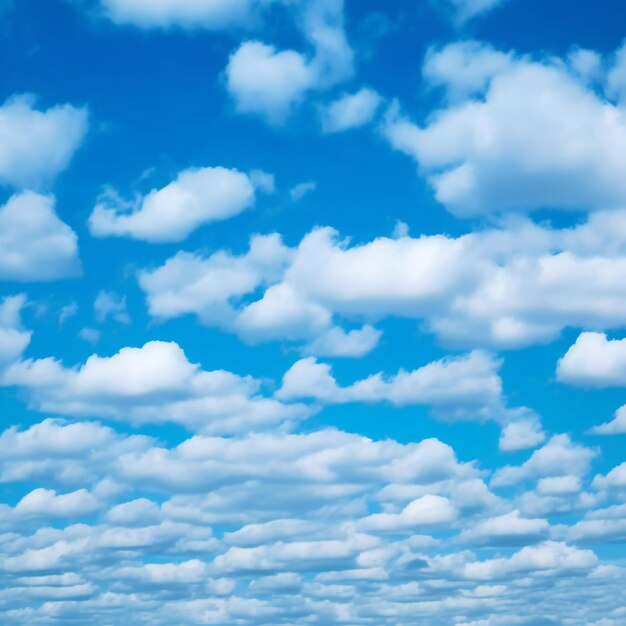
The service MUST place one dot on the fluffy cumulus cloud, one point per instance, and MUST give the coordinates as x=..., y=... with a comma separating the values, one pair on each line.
x=507, y=287
x=563, y=152
x=153, y=383
x=458, y=388
x=197, y=196
x=594, y=361
x=269, y=82
x=597, y=362
x=35, y=245
x=37, y=144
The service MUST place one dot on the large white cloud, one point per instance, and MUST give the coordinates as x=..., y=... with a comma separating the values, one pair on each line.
x=463, y=387
x=562, y=152
x=196, y=197
x=506, y=287
x=35, y=245
x=36, y=145
x=154, y=383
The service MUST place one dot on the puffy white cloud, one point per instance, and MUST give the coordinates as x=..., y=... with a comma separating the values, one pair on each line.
x=507, y=287
x=617, y=426
x=189, y=283
x=594, y=361
x=463, y=387
x=207, y=14
x=36, y=145
x=154, y=383
x=465, y=68
x=139, y=512
x=350, y=111
x=328, y=463
x=197, y=197
x=615, y=479
x=558, y=455
x=47, y=503
x=266, y=81
x=35, y=245
x=54, y=452
x=336, y=342
x=270, y=82
x=428, y=510
x=562, y=153
x=508, y=529
x=549, y=557
x=521, y=434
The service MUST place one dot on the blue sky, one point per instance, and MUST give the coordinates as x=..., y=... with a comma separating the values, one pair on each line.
x=312, y=312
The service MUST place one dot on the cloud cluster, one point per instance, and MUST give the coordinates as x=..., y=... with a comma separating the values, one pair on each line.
x=154, y=383
x=563, y=152
x=347, y=528
x=506, y=287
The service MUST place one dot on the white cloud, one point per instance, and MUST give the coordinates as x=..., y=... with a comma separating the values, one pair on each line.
x=507, y=287
x=270, y=82
x=154, y=383
x=508, y=529
x=520, y=435
x=47, y=503
x=464, y=69
x=290, y=517
x=594, y=361
x=189, y=283
x=197, y=197
x=615, y=479
x=336, y=342
x=617, y=426
x=207, y=14
x=35, y=245
x=425, y=511
x=557, y=455
x=36, y=145
x=139, y=512
x=109, y=304
x=350, y=111
x=550, y=557
x=465, y=386
x=562, y=153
